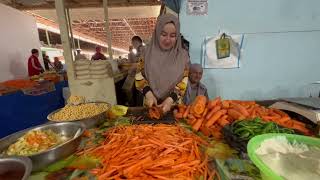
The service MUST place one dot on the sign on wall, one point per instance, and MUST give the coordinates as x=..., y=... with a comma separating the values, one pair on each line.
x=197, y=7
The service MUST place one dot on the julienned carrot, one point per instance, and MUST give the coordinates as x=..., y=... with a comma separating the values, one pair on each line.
x=148, y=152
x=212, y=111
x=186, y=112
x=215, y=117
x=214, y=102
x=196, y=126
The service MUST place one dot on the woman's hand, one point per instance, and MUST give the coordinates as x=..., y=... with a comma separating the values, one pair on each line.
x=166, y=105
x=150, y=99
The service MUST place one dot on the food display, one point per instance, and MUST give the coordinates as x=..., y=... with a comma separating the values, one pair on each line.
x=78, y=112
x=150, y=152
x=194, y=146
x=19, y=83
x=47, y=75
x=210, y=116
x=4, y=90
x=35, y=141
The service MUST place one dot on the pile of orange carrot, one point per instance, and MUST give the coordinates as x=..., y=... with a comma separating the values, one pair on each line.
x=210, y=116
x=19, y=83
x=151, y=152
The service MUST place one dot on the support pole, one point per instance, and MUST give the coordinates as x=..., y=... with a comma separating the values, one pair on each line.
x=70, y=31
x=106, y=18
x=48, y=38
x=79, y=43
x=65, y=39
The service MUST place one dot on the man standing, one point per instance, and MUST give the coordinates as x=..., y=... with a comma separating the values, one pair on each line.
x=34, y=66
x=98, y=55
x=195, y=87
x=46, y=62
x=57, y=64
x=136, y=42
x=79, y=56
x=128, y=85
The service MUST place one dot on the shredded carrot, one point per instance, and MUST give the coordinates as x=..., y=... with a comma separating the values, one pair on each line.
x=150, y=152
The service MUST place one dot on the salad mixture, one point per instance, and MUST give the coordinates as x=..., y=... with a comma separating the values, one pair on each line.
x=35, y=141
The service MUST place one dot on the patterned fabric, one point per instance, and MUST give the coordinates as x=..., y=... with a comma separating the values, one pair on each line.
x=141, y=83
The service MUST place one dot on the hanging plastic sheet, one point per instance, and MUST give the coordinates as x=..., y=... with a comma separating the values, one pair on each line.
x=210, y=58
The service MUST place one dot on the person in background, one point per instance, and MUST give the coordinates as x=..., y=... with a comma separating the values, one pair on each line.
x=163, y=74
x=136, y=42
x=79, y=56
x=131, y=54
x=46, y=62
x=98, y=55
x=34, y=66
x=128, y=85
x=195, y=87
x=57, y=64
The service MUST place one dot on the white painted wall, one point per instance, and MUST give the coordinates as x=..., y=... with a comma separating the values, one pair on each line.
x=273, y=65
x=18, y=35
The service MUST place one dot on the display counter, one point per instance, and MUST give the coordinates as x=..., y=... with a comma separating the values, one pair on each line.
x=19, y=111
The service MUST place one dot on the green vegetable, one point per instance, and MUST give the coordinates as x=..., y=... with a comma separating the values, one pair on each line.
x=38, y=176
x=81, y=173
x=247, y=129
x=84, y=162
x=219, y=150
x=60, y=164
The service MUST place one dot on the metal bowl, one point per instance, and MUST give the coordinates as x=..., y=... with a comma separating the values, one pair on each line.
x=68, y=130
x=15, y=168
x=89, y=122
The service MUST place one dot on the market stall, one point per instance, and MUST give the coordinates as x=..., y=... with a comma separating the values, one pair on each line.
x=215, y=139
x=26, y=103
